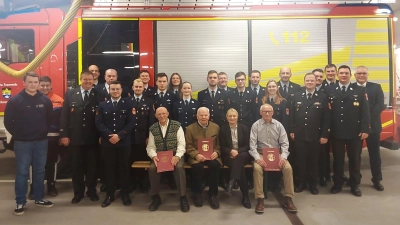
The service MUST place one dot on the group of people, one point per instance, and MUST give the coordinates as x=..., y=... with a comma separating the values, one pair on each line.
x=106, y=127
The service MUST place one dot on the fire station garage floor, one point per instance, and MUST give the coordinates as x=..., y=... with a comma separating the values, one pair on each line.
x=341, y=209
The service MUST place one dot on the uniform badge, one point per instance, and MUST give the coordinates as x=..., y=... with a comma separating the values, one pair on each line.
x=256, y=100
x=291, y=86
x=329, y=105
x=356, y=103
x=133, y=111
x=366, y=96
x=72, y=109
x=317, y=103
x=6, y=92
x=287, y=111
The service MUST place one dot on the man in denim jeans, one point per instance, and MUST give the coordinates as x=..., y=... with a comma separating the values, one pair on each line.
x=28, y=117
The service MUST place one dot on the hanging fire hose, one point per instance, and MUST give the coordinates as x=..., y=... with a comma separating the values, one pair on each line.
x=49, y=46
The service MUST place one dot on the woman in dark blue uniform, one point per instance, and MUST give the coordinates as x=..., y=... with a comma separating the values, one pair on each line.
x=185, y=110
x=175, y=85
x=278, y=103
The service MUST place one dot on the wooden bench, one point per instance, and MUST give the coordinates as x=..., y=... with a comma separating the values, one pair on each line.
x=146, y=165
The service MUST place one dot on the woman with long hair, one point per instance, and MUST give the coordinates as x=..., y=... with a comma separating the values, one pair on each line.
x=175, y=85
x=275, y=99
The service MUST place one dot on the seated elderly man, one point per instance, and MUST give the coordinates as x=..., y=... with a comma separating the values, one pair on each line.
x=167, y=135
x=269, y=133
x=204, y=128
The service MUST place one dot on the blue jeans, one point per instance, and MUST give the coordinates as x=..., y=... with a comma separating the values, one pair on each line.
x=29, y=153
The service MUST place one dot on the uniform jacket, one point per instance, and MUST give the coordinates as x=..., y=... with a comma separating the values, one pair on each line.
x=376, y=105
x=326, y=84
x=167, y=101
x=185, y=114
x=225, y=139
x=349, y=111
x=144, y=118
x=245, y=106
x=78, y=118
x=115, y=120
x=217, y=106
x=149, y=92
x=310, y=118
x=194, y=132
x=291, y=89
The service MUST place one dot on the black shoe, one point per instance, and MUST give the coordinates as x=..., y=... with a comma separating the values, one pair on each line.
x=213, y=202
x=155, y=203
x=313, y=189
x=93, y=197
x=198, y=199
x=230, y=186
x=185, y=207
x=299, y=188
x=108, y=200
x=246, y=202
x=51, y=189
x=356, y=191
x=76, y=199
x=44, y=203
x=126, y=200
x=30, y=195
x=251, y=185
x=103, y=188
x=336, y=189
x=378, y=186
x=19, y=210
x=322, y=182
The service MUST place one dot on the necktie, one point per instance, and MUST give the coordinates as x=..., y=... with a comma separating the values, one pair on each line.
x=115, y=103
x=343, y=89
x=186, y=102
x=212, y=94
x=309, y=96
x=271, y=100
x=161, y=94
x=284, y=88
x=255, y=89
x=137, y=100
x=176, y=92
x=241, y=94
x=86, y=97
x=332, y=83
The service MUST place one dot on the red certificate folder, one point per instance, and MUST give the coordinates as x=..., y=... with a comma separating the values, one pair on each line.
x=271, y=157
x=165, y=161
x=205, y=146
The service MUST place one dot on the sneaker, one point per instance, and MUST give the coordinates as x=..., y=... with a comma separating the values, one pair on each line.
x=19, y=210
x=44, y=203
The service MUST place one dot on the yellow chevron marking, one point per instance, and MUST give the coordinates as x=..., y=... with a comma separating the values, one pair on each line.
x=371, y=49
x=372, y=37
x=372, y=24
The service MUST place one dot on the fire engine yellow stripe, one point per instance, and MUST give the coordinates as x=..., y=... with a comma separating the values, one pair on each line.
x=1, y=113
x=117, y=18
x=371, y=37
x=371, y=49
x=385, y=124
x=79, y=49
x=371, y=24
x=371, y=62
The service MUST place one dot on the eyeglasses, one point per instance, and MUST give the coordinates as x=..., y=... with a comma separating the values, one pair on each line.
x=267, y=112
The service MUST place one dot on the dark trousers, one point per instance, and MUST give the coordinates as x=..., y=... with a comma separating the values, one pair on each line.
x=116, y=159
x=84, y=169
x=374, y=152
x=99, y=164
x=138, y=153
x=53, y=152
x=353, y=147
x=179, y=177
x=214, y=168
x=237, y=169
x=324, y=161
x=307, y=160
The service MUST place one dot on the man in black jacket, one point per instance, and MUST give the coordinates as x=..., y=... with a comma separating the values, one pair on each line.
x=115, y=119
x=28, y=117
x=110, y=76
x=376, y=106
x=78, y=131
x=350, y=125
x=310, y=126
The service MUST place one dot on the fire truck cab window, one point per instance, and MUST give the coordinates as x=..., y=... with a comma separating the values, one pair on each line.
x=17, y=46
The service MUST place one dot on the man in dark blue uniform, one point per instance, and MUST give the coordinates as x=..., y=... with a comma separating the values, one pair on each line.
x=144, y=107
x=78, y=131
x=110, y=76
x=148, y=91
x=162, y=96
x=330, y=74
x=255, y=78
x=115, y=119
x=376, y=106
x=310, y=127
x=223, y=81
x=215, y=99
x=350, y=125
x=243, y=100
x=286, y=87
